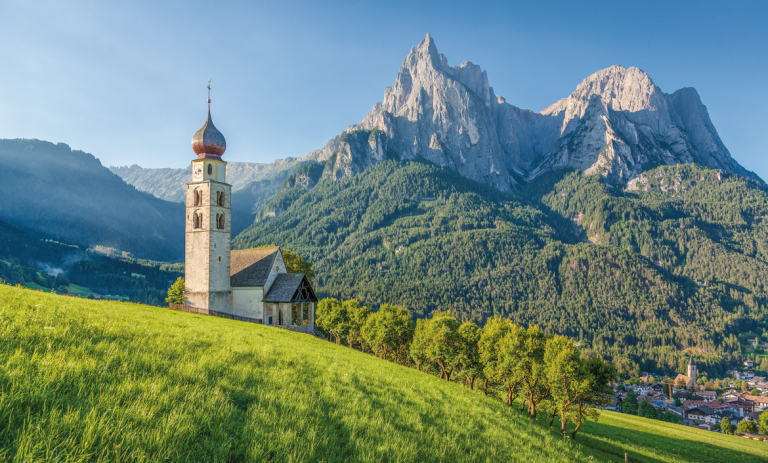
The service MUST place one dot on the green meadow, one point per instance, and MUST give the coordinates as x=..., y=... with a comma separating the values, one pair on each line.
x=84, y=380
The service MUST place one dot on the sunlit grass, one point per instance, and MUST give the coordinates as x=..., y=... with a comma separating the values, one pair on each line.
x=88, y=380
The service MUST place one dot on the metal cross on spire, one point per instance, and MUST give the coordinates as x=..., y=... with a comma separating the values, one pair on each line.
x=209, y=91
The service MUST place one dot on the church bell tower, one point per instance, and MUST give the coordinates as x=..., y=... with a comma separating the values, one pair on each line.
x=208, y=224
x=692, y=371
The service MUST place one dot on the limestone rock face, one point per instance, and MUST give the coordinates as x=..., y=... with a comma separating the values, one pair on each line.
x=442, y=114
x=617, y=123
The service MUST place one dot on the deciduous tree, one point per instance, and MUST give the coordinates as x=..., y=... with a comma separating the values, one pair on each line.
x=629, y=404
x=468, y=357
x=357, y=315
x=332, y=318
x=600, y=393
x=747, y=426
x=522, y=355
x=763, y=421
x=389, y=331
x=490, y=347
x=726, y=426
x=176, y=292
x=567, y=377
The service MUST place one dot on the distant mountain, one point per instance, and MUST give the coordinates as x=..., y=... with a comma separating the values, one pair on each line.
x=69, y=196
x=168, y=183
x=617, y=123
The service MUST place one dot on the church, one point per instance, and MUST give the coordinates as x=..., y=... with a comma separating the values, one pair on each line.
x=250, y=285
x=690, y=379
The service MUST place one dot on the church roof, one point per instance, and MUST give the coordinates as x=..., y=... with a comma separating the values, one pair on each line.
x=690, y=362
x=250, y=267
x=291, y=287
x=208, y=142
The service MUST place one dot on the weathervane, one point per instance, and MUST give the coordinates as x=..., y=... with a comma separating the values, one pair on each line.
x=209, y=91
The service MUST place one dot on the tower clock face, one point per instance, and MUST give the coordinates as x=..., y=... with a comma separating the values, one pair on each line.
x=197, y=172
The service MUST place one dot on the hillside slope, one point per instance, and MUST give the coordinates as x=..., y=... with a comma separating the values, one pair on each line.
x=427, y=238
x=97, y=381
x=69, y=196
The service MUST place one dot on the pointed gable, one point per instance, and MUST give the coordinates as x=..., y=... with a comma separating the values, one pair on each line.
x=291, y=287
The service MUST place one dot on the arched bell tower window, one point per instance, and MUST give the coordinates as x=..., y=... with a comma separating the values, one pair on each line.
x=198, y=197
x=198, y=217
x=220, y=198
x=220, y=221
x=210, y=169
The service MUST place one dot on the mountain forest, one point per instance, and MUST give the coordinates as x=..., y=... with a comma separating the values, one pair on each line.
x=646, y=277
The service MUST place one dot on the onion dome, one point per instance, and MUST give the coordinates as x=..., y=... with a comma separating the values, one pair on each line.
x=208, y=142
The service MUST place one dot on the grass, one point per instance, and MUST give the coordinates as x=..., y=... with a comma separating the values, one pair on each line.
x=84, y=380
x=33, y=285
x=79, y=290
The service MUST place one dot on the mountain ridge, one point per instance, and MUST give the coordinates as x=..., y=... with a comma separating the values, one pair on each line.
x=169, y=183
x=70, y=196
x=617, y=123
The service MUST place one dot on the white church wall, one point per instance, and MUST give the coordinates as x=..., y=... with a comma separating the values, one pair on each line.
x=247, y=302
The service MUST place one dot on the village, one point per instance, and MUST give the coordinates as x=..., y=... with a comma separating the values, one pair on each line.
x=700, y=402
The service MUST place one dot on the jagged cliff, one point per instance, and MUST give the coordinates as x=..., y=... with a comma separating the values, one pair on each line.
x=617, y=123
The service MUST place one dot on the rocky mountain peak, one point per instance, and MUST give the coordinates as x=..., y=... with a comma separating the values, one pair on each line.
x=616, y=123
x=628, y=90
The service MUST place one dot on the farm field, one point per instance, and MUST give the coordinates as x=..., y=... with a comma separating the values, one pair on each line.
x=84, y=380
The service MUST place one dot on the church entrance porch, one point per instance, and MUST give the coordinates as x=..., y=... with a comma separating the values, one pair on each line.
x=290, y=303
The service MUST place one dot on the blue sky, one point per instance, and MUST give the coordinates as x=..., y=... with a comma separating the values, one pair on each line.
x=126, y=80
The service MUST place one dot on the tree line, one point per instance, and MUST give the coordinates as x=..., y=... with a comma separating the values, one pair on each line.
x=526, y=367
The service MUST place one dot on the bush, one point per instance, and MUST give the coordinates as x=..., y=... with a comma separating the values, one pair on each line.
x=176, y=292
x=747, y=426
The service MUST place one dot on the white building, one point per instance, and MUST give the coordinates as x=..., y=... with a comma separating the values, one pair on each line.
x=249, y=285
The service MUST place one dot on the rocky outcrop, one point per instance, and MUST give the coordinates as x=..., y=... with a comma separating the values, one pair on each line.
x=617, y=123
x=441, y=114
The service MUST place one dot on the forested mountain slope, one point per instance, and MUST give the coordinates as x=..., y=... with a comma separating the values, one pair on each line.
x=423, y=236
x=32, y=259
x=69, y=196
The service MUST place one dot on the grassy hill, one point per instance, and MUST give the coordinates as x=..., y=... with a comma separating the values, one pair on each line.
x=104, y=381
